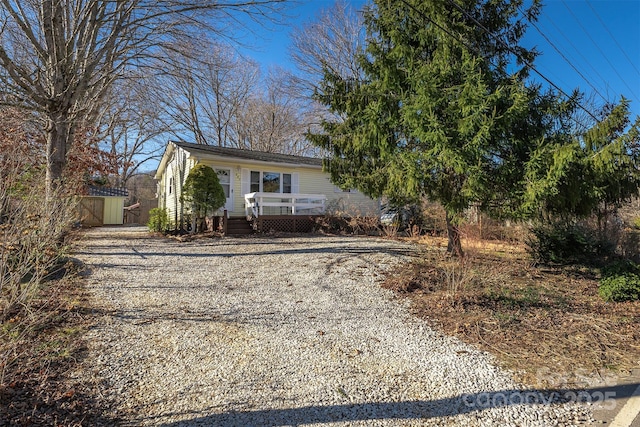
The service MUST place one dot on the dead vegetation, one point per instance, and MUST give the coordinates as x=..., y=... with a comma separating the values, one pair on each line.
x=547, y=324
x=40, y=353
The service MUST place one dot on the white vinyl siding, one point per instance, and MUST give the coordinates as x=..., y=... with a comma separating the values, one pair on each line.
x=174, y=178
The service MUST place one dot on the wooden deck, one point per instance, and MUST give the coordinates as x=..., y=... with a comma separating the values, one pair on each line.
x=271, y=223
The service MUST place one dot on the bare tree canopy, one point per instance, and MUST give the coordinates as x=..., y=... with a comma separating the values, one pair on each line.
x=59, y=57
x=128, y=126
x=274, y=120
x=204, y=86
x=333, y=42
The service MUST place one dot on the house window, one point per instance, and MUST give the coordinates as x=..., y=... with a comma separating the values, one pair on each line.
x=171, y=185
x=271, y=182
x=286, y=183
x=255, y=182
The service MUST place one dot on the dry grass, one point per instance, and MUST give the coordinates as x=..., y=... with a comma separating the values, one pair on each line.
x=40, y=350
x=546, y=324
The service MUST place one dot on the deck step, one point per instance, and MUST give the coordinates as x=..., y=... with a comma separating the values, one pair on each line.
x=239, y=226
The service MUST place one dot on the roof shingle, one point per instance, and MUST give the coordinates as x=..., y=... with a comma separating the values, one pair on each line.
x=249, y=155
x=108, y=191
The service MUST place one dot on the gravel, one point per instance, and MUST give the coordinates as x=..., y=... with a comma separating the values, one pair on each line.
x=282, y=331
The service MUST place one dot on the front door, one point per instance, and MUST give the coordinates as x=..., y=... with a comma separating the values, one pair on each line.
x=226, y=181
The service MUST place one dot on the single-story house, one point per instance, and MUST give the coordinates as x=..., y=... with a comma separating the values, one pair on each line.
x=258, y=184
x=102, y=206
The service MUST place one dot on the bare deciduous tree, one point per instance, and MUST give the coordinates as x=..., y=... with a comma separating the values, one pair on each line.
x=203, y=93
x=60, y=57
x=333, y=42
x=129, y=127
x=273, y=121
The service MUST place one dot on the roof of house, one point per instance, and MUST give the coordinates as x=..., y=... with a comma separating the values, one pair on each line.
x=249, y=154
x=108, y=191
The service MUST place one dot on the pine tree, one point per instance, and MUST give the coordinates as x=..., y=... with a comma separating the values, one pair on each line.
x=443, y=110
x=585, y=173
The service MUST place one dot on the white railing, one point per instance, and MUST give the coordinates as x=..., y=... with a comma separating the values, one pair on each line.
x=257, y=204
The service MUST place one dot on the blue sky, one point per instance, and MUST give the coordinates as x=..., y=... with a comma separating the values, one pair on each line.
x=600, y=40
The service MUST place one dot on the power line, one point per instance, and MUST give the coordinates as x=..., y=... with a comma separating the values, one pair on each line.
x=615, y=70
x=510, y=49
x=564, y=57
x=611, y=35
x=585, y=60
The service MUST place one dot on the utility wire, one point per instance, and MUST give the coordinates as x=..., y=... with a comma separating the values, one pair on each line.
x=578, y=51
x=611, y=35
x=564, y=57
x=599, y=50
x=510, y=49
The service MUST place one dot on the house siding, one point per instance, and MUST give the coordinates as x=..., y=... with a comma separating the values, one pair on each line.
x=172, y=182
x=113, y=210
x=346, y=203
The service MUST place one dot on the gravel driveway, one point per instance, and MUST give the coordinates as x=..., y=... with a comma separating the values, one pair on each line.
x=281, y=331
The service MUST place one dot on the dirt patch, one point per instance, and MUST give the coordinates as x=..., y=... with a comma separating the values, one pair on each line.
x=546, y=324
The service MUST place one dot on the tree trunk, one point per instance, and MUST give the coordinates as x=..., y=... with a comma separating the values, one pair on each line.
x=454, y=245
x=57, y=137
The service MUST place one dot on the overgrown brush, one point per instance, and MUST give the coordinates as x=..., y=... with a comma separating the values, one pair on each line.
x=33, y=233
x=340, y=219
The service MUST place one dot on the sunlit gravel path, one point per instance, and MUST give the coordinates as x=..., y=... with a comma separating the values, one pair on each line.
x=277, y=332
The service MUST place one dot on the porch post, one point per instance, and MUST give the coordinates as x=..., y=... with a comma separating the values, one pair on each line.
x=224, y=222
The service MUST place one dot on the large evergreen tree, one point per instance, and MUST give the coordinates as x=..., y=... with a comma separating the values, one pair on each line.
x=443, y=111
x=585, y=172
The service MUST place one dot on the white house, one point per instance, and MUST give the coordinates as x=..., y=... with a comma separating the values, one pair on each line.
x=258, y=184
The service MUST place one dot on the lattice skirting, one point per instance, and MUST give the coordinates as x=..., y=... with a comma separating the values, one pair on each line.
x=286, y=223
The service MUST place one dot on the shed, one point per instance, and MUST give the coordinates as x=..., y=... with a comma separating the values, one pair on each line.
x=103, y=206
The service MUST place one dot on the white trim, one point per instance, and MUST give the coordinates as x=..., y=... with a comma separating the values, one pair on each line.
x=296, y=203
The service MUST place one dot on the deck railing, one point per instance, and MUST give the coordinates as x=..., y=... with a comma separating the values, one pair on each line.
x=260, y=203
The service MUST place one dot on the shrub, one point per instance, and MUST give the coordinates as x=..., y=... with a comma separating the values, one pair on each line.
x=158, y=219
x=562, y=243
x=33, y=240
x=34, y=231
x=333, y=224
x=203, y=193
x=620, y=282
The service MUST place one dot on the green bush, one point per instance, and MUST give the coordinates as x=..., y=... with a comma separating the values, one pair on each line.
x=563, y=243
x=158, y=219
x=620, y=282
x=202, y=193
x=636, y=222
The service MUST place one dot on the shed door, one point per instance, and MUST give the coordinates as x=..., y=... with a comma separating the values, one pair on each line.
x=92, y=211
x=226, y=181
